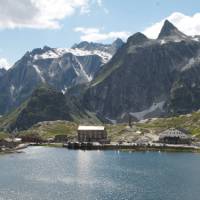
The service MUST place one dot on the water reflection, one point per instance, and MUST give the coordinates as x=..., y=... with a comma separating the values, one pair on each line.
x=60, y=174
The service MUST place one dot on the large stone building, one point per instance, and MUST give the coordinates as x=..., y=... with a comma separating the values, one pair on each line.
x=174, y=136
x=92, y=134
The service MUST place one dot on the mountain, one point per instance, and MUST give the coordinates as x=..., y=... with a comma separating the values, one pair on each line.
x=90, y=46
x=45, y=104
x=148, y=78
x=170, y=31
x=61, y=68
x=2, y=72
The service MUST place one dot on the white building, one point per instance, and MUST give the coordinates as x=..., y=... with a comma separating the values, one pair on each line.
x=92, y=134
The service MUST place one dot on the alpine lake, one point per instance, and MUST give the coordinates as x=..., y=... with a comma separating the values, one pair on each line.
x=43, y=173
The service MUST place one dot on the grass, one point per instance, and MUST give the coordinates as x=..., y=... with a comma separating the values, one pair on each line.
x=51, y=129
x=3, y=135
x=118, y=132
x=105, y=73
x=11, y=117
x=190, y=122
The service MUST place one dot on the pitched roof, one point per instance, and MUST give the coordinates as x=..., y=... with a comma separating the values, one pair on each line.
x=91, y=128
x=172, y=132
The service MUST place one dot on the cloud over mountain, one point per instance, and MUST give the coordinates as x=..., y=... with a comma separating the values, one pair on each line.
x=189, y=25
x=4, y=63
x=96, y=34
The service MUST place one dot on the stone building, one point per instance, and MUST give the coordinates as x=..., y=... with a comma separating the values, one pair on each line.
x=174, y=136
x=92, y=134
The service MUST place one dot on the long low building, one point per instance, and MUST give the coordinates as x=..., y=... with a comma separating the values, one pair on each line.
x=92, y=134
x=174, y=136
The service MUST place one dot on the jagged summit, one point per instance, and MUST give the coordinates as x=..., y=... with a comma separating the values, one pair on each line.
x=137, y=38
x=92, y=46
x=169, y=30
x=88, y=45
x=118, y=43
x=61, y=68
x=81, y=45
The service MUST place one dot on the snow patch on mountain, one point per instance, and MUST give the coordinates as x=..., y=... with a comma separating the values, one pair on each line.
x=89, y=78
x=191, y=63
x=59, y=52
x=168, y=40
x=39, y=73
x=12, y=89
x=141, y=115
x=64, y=90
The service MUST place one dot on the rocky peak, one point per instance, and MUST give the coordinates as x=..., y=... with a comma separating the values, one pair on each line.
x=169, y=30
x=137, y=38
x=117, y=43
x=81, y=45
x=92, y=46
x=47, y=48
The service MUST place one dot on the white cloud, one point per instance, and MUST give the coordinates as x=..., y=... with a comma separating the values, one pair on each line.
x=4, y=63
x=95, y=34
x=86, y=30
x=189, y=25
x=39, y=13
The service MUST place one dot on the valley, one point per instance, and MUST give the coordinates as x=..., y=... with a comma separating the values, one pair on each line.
x=154, y=83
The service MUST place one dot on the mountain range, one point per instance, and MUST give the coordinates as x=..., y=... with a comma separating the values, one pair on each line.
x=61, y=68
x=142, y=78
x=149, y=78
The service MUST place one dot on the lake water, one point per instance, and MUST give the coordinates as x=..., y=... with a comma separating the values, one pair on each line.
x=59, y=174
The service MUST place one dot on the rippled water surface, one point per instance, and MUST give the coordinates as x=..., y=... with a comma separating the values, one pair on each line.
x=59, y=174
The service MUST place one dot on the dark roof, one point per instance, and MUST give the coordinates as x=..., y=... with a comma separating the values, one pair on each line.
x=172, y=132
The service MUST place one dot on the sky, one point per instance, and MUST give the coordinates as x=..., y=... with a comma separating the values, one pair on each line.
x=29, y=24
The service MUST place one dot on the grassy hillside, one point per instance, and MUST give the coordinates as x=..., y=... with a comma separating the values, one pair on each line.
x=120, y=132
x=190, y=122
x=50, y=129
x=46, y=104
x=9, y=119
x=3, y=135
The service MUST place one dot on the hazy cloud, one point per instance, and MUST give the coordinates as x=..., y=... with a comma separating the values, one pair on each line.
x=96, y=35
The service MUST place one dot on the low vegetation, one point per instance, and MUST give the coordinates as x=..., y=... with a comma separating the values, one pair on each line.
x=3, y=135
x=119, y=132
x=190, y=122
x=48, y=130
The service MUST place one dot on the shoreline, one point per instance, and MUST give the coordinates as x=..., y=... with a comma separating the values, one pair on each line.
x=14, y=150
x=174, y=148
x=142, y=149
x=107, y=147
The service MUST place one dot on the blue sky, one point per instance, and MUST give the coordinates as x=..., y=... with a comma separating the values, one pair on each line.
x=24, y=26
